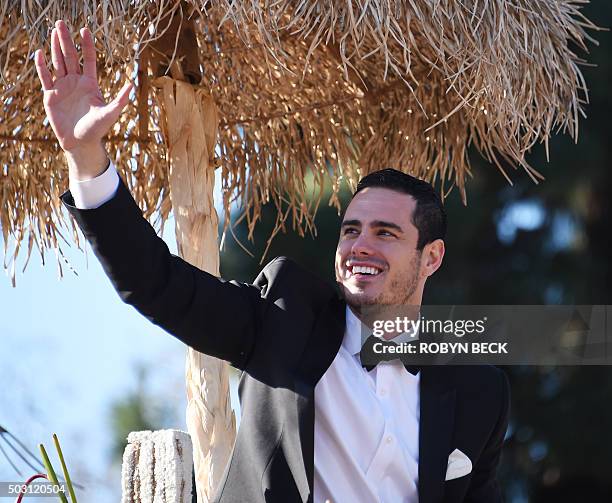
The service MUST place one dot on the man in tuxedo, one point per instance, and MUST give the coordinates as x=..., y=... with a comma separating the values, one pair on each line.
x=316, y=425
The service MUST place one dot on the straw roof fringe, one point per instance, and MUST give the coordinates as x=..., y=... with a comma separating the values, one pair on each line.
x=307, y=91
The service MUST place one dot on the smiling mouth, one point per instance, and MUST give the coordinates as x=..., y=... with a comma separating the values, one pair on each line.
x=362, y=271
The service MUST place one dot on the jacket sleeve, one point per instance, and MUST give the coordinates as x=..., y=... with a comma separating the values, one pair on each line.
x=209, y=314
x=484, y=486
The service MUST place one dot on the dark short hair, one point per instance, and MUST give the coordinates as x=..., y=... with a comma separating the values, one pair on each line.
x=429, y=216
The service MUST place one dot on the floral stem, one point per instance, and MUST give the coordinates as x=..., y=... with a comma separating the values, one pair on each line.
x=51, y=472
x=64, y=469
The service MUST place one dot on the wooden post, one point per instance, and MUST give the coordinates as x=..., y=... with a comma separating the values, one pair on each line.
x=190, y=129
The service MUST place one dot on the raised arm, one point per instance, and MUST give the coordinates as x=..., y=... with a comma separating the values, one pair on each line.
x=213, y=316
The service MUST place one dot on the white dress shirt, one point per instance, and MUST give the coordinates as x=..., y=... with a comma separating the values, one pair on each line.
x=92, y=193
x=366, y=423
x=366, y=428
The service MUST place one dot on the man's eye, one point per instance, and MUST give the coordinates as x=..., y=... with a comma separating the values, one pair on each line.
x=350, y=230
x=386, y=233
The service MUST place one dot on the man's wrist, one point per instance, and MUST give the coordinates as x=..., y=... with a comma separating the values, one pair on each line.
x=86, y=163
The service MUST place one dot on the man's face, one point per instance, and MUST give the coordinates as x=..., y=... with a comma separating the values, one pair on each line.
x=377, y=262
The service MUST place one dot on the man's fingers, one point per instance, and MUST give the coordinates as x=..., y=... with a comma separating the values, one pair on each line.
x=113, y=110
x=124, y=92
x=123, y=96
x=89, y=53
x=43, y=72
x=57, y=58
x=71, y=57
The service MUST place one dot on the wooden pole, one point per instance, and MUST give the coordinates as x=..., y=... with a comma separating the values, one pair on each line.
x=191, y=123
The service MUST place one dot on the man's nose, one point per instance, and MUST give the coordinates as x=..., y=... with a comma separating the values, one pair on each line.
x=361, y=246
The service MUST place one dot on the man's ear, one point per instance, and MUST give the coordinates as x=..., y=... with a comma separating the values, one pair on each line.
x=431, y=257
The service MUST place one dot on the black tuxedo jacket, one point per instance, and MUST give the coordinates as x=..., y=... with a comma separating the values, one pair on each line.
x=283, y=332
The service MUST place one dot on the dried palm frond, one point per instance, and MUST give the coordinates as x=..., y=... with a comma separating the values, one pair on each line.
x=311, y=91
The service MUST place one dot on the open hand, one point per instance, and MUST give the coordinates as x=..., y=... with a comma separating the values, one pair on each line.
x=73, y=101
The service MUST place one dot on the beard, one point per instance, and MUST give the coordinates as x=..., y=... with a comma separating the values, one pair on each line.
x=398, y=292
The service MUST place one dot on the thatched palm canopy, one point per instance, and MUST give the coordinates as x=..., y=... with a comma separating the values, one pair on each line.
x=306, y=90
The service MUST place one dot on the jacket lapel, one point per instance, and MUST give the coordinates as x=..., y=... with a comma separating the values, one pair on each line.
x=436, y=425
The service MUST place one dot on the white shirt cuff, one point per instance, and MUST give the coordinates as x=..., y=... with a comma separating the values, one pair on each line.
x=90, y=194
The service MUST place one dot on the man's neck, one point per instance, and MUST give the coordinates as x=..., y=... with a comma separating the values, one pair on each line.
x=397, y=320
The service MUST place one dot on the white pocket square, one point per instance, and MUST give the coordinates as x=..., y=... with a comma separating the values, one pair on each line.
x=458, y=465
